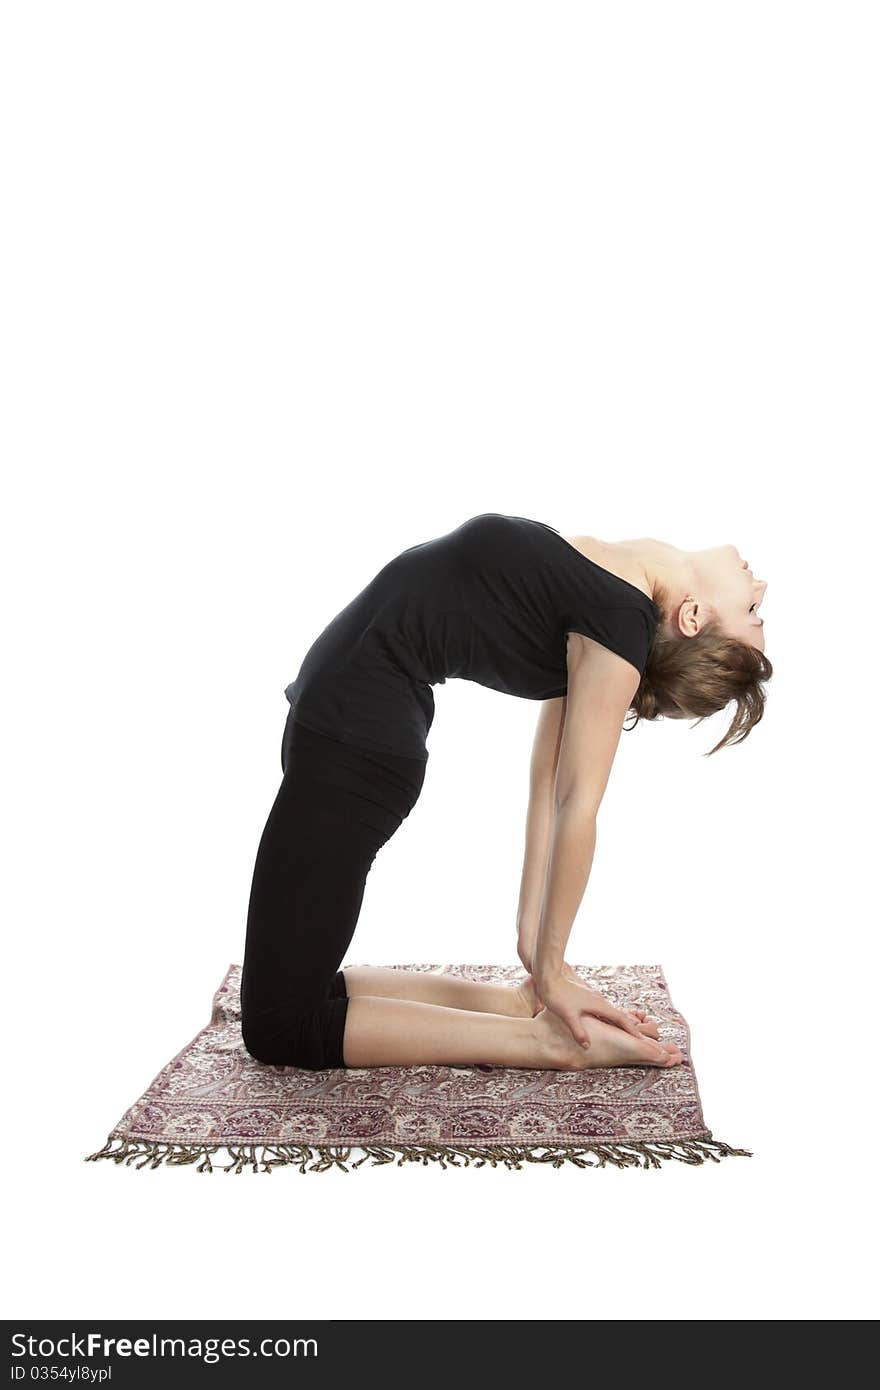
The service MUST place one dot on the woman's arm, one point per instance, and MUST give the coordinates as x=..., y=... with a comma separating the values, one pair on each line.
x=601, y=686
x=539, y=825
x=572, y=845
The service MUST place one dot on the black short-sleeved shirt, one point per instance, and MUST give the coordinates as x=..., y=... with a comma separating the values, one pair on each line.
x=491, y=602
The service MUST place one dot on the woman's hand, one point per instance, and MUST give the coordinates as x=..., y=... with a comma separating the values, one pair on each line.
x=572, y=975
x=567, y=997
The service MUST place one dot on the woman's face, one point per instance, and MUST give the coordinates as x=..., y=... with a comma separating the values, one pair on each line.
x=733, y=592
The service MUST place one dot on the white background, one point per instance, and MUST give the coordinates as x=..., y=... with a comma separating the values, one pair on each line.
x=289, y=288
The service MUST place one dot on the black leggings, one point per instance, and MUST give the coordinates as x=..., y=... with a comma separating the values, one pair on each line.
x=336, y=806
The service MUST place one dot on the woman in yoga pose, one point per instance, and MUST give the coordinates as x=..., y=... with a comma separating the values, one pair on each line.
x=592, y=629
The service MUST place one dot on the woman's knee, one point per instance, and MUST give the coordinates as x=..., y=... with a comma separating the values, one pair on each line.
x=264, y=1048
x=311, y=1040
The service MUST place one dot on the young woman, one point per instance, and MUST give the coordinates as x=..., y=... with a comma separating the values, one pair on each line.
x=593, y=629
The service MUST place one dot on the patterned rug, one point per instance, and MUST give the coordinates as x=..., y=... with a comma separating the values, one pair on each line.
x=214, y=1096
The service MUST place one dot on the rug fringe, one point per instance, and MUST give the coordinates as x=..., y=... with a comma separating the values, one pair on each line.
x=318, y=1158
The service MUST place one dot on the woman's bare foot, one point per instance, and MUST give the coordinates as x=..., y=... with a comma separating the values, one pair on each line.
x=529, y=1006
x=609, y=1046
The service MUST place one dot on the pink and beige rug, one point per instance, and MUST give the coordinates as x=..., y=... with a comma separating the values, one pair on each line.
x=213, y=1096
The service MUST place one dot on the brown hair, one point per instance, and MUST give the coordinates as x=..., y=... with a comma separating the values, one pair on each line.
x=693, y=677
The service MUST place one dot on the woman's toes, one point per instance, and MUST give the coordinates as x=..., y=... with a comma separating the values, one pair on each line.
x=649, y=1029
x=663, y=1054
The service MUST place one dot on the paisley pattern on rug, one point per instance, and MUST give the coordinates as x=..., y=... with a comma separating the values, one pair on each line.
x=214, y=1093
